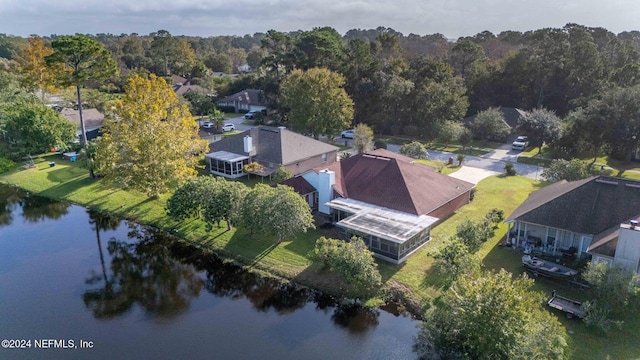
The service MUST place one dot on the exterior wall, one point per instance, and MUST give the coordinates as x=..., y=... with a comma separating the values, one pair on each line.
x=313, y=162
x=548, y=239
x=628, y=249
x=391, y=251
x=449, y=208
x=325, y=181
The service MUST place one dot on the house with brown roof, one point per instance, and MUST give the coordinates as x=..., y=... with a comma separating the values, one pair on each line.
x=571, y=216
x=387, y=200
x=272, y=148
x=618, y=246
x=246, y=100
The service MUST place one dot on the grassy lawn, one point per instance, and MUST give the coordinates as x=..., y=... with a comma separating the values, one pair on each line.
x=290, y=259
x=439, y=166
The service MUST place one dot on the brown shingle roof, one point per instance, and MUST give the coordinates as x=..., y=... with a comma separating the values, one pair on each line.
x=299, y=184
x=398, y=185
x=393, y=155
x=588, y=206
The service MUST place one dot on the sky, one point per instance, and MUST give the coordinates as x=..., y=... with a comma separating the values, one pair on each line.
x=452, y=18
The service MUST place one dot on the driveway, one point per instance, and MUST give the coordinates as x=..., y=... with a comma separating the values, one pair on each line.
x=493, y=161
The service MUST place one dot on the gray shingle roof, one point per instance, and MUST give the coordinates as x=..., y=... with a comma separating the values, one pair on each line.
x=93, y=118
x=251, y=96
x=511, y=116
x=276, y=145
x=588, y=206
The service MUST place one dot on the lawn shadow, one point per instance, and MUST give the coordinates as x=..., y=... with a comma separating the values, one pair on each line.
x=250, y=248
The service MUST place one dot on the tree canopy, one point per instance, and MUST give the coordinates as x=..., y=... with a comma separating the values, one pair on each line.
x=491, y=316
x=352, y=260
x=84, y=59
x=317, y=102
x=152, y=143
x=541, y=126
x=33, y=128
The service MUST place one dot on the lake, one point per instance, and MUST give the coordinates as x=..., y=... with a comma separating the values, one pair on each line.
x=77, y=285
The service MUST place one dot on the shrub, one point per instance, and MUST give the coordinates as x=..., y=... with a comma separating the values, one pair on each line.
x=509, y=170
x=282, y=174
x=379, y=144
x=415, y=150
x=227, y=109
x=6, y=165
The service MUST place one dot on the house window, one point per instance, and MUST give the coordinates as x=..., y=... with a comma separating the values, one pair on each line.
x=551, y=238
x=324, y=157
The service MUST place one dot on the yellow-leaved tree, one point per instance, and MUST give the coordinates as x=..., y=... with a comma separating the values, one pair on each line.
x=152, y=144
x=33, y=69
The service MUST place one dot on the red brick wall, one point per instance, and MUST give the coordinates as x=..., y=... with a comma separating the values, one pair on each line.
x=449, y=208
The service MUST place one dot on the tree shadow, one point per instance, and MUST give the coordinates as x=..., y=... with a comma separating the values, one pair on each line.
x=250, y=248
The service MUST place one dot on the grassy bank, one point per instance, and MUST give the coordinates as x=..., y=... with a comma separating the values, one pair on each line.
x=290, y=259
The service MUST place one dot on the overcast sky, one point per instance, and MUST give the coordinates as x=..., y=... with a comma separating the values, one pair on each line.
x=452, y=18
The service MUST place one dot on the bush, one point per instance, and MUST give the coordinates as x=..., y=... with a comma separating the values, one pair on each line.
x=509, y=170
x=6, y=165
x=379, y=144
x=226, y=109
x=282, y=174
x=415, y=150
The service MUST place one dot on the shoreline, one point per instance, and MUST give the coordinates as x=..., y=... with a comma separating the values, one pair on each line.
x=395, y=298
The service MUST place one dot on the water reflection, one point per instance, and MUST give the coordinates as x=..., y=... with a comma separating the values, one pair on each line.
x=36, y=208
x=9, y=197
x=143, y=273
x=160, y=274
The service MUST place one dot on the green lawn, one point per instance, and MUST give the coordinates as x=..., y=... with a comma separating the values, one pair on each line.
x=290, y=259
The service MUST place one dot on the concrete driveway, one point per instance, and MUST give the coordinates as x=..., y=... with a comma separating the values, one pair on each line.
x=493, y=162
x=472, y=174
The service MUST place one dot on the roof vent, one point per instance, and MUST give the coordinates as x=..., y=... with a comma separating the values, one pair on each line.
x=633, y=223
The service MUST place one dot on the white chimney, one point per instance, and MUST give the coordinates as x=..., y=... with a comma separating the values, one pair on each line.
x=248, y=144
x=326, y=180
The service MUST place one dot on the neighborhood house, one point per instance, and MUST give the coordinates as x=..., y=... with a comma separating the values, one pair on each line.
x=246, y=100
x=272, y=148
x=383, y=198
x=577, y=217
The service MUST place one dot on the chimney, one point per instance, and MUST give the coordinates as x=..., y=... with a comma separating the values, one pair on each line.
x=326, y=180
x=633, y=224
x=248, y=144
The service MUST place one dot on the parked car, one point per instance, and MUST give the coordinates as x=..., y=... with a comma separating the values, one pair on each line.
x=250, y=114
x=347, y=134
x=228, y=127
x=207, y=125
x=520, y=143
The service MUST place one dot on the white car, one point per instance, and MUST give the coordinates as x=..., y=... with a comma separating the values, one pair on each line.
x=228, y=127
x=347, y=134
x=208, y=125
x=520, y=143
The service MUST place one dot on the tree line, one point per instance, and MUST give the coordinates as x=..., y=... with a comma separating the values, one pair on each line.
x=416, y=86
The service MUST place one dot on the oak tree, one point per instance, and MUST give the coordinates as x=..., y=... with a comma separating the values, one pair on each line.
x=317, y=102
x=491, y=316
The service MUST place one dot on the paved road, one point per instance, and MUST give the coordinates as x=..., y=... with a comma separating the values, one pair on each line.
x=493, y=161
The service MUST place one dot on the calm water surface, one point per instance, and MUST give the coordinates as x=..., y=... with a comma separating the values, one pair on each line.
x=70, y=275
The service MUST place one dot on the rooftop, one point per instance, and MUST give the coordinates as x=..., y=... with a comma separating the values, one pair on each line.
x=383, y=222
